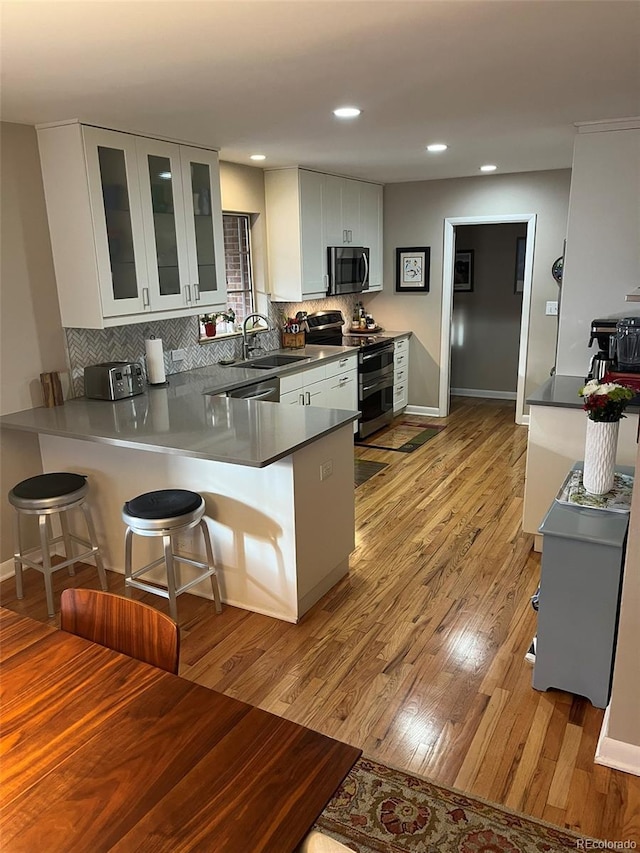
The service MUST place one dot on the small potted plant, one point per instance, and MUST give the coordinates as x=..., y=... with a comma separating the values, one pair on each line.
x=209, y=325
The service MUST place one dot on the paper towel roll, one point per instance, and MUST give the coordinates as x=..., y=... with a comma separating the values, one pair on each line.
x=155, y=361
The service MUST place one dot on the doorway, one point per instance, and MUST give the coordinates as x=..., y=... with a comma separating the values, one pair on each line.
x=449, y=272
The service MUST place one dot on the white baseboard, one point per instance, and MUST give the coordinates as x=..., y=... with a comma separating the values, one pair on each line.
x=427, y=411
x=616, y=753
x=7, y=569
x=478, y=392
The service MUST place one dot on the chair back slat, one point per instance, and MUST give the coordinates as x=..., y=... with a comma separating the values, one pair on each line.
x=122, y=624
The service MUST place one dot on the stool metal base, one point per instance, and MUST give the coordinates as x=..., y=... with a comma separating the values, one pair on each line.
x=168, y=529
x=47, y=540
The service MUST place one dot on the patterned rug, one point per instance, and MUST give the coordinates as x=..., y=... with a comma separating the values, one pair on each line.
x=364, y=470
x=403, y=436
x=380, y=810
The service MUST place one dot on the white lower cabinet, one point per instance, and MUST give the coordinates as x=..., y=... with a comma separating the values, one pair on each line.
x=329, y=386
x=400, y=374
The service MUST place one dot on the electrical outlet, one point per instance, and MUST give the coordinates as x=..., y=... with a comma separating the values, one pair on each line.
x=326, y=469
x=178, y=355
x=551, y=309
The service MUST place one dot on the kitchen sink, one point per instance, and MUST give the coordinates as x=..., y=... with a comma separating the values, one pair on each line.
x=271, y=361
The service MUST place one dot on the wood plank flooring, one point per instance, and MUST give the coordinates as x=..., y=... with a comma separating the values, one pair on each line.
x=417, y=657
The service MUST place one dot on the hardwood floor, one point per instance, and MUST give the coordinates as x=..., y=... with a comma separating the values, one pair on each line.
x=417, y=657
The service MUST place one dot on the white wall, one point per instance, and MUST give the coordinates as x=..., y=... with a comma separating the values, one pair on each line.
x=485, y=326
x=31, y=336
x=602, y=261
x=414, y=215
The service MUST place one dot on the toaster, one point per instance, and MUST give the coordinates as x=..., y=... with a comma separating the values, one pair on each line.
x=113, y=380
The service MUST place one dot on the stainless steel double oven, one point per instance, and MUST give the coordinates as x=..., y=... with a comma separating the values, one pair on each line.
x=375, y=368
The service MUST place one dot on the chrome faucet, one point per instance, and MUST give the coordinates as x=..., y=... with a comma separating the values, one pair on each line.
x=246, y=348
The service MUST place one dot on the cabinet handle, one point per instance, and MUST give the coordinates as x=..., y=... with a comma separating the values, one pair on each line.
x=145, y=297
x=350, y=233
x=325, y=279
x=344, y=235
x=301, y=399
x=308, y=398
x=196, y=292
x=187, y=293
x=343, y=361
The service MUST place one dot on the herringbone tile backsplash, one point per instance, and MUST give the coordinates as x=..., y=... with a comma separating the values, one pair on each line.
x=126, y=343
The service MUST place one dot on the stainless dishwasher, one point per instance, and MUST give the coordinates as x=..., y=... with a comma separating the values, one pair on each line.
x=268, y=390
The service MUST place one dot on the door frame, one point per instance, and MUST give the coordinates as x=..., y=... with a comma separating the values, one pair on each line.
x=450, y=224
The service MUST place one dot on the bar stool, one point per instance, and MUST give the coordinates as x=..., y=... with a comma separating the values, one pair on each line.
x=167, y=513
x=44, y=496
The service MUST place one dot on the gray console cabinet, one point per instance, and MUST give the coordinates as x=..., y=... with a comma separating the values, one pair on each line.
x=580, y=585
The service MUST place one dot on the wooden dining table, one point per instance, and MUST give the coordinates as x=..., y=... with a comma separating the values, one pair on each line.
x=99, y=752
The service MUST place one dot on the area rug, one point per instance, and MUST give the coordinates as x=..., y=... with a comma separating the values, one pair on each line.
x=403, y=436
x=380, y=810
x=364, y=470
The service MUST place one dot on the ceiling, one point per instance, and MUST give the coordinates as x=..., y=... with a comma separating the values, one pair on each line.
x=500, y=81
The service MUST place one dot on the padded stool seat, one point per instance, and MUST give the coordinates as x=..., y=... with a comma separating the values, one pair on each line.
x=44, y=496
x=166, y=513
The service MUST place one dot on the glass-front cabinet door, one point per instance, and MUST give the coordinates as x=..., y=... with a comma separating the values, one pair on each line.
x=112, y=169
x=205, y=246
x=164, y=224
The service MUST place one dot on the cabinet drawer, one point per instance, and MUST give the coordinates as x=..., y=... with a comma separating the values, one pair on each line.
x=342, y=365
x=302, y=378
x=400, y=360
x=399, y=377
x=401, y=345
x=290, y=382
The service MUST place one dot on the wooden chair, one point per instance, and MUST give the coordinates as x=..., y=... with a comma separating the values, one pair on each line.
x=121, y=624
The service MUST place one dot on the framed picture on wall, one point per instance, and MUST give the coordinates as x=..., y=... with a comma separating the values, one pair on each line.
x=463, y=271
x=412, y=270
x=518, y=286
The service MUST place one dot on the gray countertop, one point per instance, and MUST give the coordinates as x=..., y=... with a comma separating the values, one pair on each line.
x=559, y=391
x=562, y=391
x=183, y=419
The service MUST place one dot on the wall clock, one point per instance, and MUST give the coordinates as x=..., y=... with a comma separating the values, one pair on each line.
x=556, y=269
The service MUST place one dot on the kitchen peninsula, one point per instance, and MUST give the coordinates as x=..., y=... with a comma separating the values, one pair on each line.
x=270, y=475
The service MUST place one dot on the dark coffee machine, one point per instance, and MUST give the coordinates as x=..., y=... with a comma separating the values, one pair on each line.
x=603, y=331
x=618, y=358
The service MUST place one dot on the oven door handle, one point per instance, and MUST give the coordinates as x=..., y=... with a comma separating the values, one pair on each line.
x=377, y=353
x=379, y=384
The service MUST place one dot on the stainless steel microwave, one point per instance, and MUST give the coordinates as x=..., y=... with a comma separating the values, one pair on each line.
x=348, y=269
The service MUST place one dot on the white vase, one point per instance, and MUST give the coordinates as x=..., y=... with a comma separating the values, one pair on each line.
x=600, y=456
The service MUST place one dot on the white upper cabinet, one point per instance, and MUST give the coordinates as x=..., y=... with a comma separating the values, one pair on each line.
x=307, y=212
x=297, y=262
x=135, y=223
x=205, y=242
x=371, y=230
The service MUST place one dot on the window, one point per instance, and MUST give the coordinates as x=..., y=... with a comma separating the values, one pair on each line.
x=237, y=255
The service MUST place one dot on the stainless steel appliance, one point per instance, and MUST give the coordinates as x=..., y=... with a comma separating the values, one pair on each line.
x=618, y=359
x=113, y=380
x=348, y=269
x=375, y=367
x=267, y=390
x=627, y=344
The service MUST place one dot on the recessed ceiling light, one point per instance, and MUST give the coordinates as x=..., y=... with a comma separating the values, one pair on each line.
x=437, y=146
x=347, y=112
x=258, y=157
x=488, y=168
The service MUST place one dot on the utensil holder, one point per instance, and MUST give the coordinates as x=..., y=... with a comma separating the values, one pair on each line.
x=293, y=340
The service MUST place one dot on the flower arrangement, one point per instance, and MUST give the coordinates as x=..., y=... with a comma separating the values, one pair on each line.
x=605, y=401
